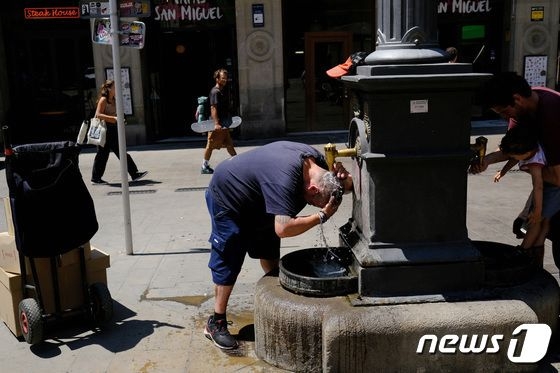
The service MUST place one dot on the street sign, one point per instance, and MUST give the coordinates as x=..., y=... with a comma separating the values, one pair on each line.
x=131, y=34
x=127, y=8
x=94, y=9
x=51, y=13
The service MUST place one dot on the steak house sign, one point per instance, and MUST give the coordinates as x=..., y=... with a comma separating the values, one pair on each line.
x=187, y=10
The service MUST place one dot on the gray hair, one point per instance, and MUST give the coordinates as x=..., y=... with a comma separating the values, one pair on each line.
x=328, y=185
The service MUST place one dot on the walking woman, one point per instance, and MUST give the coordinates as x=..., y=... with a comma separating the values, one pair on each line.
x=107, y=111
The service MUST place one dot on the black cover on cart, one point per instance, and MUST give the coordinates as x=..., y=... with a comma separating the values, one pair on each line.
x=52, y=209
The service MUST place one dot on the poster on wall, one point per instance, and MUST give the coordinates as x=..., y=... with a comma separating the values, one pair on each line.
x=131, y=34
x=126, y=91
x=535, y=70
x=126, y=8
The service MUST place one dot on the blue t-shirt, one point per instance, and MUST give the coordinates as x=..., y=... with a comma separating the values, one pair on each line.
x=263, y=182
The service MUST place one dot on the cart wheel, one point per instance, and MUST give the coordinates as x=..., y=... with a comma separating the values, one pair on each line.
x=101, y=303
x=30, y=320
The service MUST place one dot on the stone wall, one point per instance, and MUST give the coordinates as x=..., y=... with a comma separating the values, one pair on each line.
x=260, y=61
x=535, y=37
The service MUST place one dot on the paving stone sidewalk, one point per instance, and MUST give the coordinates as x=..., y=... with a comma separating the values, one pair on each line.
x=163, y=291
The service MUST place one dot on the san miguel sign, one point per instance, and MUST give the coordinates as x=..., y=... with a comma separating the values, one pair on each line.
x=464, y=6
x=187, y=10
x=50, y=13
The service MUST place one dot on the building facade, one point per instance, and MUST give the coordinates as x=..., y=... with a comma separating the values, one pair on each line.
x=277, y=53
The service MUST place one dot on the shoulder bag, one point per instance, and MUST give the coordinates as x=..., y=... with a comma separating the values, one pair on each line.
x=97, y=132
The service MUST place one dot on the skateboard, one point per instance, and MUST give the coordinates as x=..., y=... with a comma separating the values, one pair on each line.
x=208, y=125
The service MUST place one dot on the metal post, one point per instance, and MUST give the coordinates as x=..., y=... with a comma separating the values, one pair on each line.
x=115, y=45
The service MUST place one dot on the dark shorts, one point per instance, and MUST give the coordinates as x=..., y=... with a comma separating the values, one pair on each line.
x=551, y=201
x=230, y=242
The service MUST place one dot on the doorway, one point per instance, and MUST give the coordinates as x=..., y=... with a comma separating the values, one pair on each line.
x=187, y=61
x=316, y=101
x=49, y=88
x=325, y=105
x=318, y=35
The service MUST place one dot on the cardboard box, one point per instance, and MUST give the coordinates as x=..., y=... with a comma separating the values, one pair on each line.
x=9, y=255
x=8, y=214
x=70, y=286
x=10, y=296
x=71, y=257
x=70, y=280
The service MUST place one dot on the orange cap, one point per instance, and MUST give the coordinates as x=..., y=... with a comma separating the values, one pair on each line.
x=340, y=70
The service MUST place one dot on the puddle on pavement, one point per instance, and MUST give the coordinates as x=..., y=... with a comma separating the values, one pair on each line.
x=187, y=300
x=148, y=367
x=242, y=328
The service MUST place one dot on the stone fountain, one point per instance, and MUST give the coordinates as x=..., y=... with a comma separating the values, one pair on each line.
x=407, y=290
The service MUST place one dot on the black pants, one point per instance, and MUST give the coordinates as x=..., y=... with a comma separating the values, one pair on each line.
x=554, y=236
x=111, y=144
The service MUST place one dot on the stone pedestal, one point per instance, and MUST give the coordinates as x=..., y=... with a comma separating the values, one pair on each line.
x=339, y=334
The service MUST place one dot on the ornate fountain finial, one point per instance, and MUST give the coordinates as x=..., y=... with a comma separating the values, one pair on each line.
x=412, y=34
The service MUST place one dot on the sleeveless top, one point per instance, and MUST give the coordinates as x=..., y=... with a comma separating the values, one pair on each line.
x=110, y=108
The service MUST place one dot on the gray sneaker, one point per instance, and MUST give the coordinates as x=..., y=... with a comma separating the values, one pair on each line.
x=217, y=332
x=206, y=170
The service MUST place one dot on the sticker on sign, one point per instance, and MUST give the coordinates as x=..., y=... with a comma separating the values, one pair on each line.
x=131, y=34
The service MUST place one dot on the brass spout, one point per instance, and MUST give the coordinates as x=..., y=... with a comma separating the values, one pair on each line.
x=479, y=149
x=331, y=153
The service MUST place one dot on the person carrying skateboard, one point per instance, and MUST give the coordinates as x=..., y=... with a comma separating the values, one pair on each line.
x=219, y=111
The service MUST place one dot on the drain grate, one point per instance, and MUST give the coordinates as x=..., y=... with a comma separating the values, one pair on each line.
x=143, y=191
x=192, y=189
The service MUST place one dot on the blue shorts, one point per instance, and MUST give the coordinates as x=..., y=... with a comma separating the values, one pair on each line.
x=230, y=242
x=551, y=200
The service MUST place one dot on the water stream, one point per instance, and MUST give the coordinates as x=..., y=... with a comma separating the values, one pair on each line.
x=330, y=265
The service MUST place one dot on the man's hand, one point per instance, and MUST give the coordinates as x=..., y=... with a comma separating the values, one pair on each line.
x=490, y=158
x=332, y=206
x=478, y=167
x=339, y=171
x=498, y=176
x=343, y=175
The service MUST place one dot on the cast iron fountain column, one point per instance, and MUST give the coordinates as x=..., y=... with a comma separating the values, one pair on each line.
x=408, y=229
x=409, y=209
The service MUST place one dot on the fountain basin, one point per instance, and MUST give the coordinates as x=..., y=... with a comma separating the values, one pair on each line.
x=319, y=272
x=330, y=272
